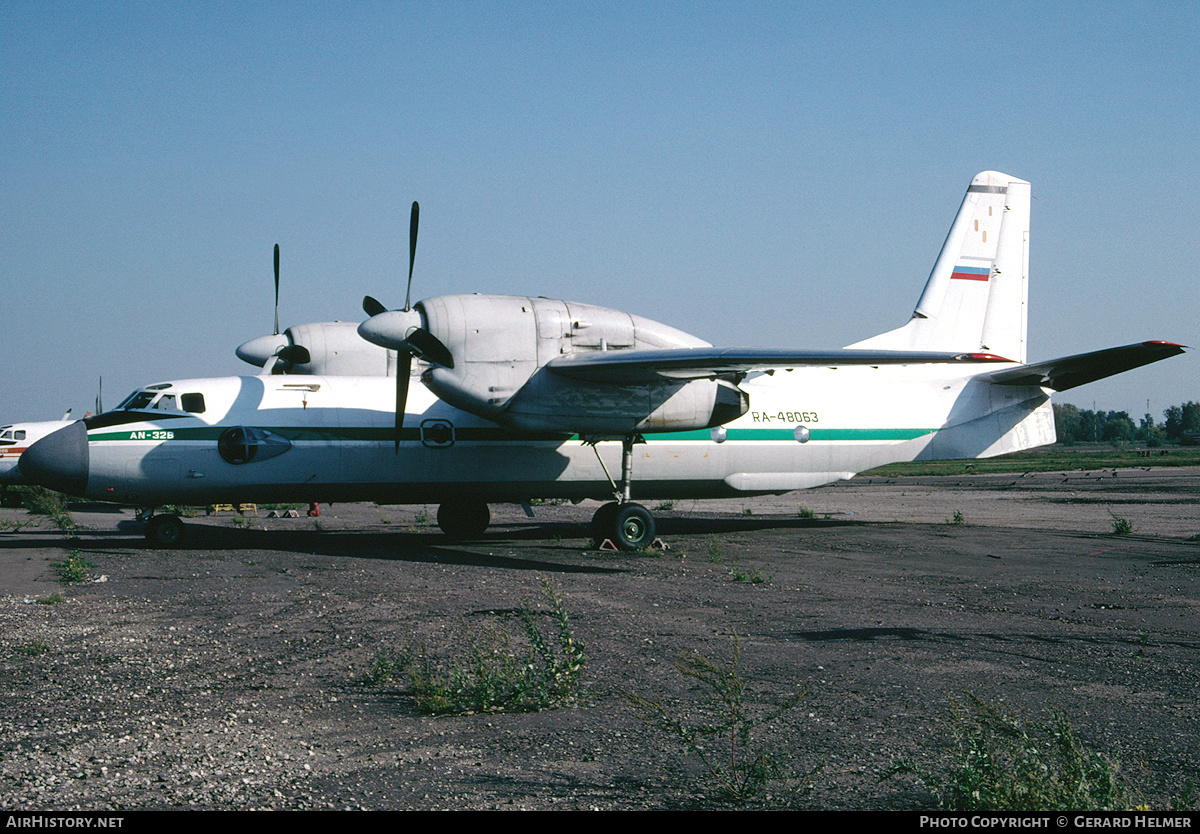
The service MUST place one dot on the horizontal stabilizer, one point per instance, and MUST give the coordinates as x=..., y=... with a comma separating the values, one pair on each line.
x=1071, y=371
x=623, y=366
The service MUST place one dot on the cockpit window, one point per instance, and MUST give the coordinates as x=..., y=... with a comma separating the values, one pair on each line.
x=152, y=398
x=137, y=400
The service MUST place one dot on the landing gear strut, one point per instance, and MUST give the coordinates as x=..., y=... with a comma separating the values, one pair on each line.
x=627, y=525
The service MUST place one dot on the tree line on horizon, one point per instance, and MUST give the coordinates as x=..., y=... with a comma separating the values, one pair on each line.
x=1180, y=426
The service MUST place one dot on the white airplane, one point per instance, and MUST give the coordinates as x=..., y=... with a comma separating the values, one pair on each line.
x=14, y=440
x=529, y=398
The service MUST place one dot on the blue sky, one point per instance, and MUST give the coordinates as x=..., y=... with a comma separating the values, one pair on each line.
x=759, y=174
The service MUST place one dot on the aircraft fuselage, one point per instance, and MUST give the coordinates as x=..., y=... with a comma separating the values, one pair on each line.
x=331, y=439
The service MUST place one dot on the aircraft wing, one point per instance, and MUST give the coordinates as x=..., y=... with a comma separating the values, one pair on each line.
x=628, y=366
x=1071, y=371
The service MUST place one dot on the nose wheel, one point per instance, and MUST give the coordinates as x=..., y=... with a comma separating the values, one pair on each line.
x=164, y=530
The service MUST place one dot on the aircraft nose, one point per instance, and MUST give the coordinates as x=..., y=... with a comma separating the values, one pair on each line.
x=59, y=461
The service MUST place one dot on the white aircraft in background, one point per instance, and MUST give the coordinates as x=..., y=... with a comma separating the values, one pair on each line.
x=14, y=440
x=529, y=398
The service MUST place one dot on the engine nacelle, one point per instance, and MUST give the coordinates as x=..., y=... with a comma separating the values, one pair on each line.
x=501, y=343
x=331, y=348
x=550, y=402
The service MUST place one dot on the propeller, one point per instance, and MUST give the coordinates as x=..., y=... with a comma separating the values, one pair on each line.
x=276, y=289
x=283, y=353
x=416, y=341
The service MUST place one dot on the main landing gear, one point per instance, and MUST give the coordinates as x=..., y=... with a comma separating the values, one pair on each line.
x=464, y=519
x=627, y=525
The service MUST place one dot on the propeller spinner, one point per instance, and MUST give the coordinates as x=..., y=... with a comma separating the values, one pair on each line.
x=402, y=331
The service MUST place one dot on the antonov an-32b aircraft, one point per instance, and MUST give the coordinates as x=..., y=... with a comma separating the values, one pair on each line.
x=526, y=398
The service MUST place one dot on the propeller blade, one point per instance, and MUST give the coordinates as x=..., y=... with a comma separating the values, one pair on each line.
x=372, y=307
x=424, y=345
x=403, y=371
x=276, y=289
x=100, y=397
x=412, y=253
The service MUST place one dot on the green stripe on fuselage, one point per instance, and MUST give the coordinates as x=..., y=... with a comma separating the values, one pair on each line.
x=788, y=434
x=499, y=435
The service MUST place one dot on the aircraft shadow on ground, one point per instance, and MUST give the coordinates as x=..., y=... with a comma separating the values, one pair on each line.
x=566, y=539
x=999, y=643
x=390, y=546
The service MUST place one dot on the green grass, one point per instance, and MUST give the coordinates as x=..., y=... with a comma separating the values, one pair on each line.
x=1008, y=762
x=74, y=569
x=1049, y=459
x=724, y=730
x=505, y=665
x=1120, y=526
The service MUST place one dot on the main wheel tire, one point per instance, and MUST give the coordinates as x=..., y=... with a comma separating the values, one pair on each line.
x=165, y=530
x=464, y=519
x=602, y=521
x=633, y=527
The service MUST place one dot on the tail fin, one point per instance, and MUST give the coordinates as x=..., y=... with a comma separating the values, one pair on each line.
x=976, y=297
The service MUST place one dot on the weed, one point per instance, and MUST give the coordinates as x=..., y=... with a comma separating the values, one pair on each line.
x=751, y=576
x=1005, y=762
x=1120, y=526
x=741, y=767
x=958, y=518
x=74, y=569
x=53, y=599
x=34, y=647
x=1189, y=800
x=665, y=506
x=716, y=552
x=495, y=672
x=421, y=517
x=11, y=524
x=41, y=501
x=806, y=512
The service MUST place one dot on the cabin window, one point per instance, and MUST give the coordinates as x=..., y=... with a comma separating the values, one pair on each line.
x=192, y=403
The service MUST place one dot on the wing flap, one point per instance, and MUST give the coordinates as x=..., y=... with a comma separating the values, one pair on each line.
x=1072, y=371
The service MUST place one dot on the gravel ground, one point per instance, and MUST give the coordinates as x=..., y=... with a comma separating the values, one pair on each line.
x=233, y=673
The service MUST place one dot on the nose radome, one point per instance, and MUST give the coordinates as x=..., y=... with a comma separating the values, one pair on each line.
x=59, y=461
